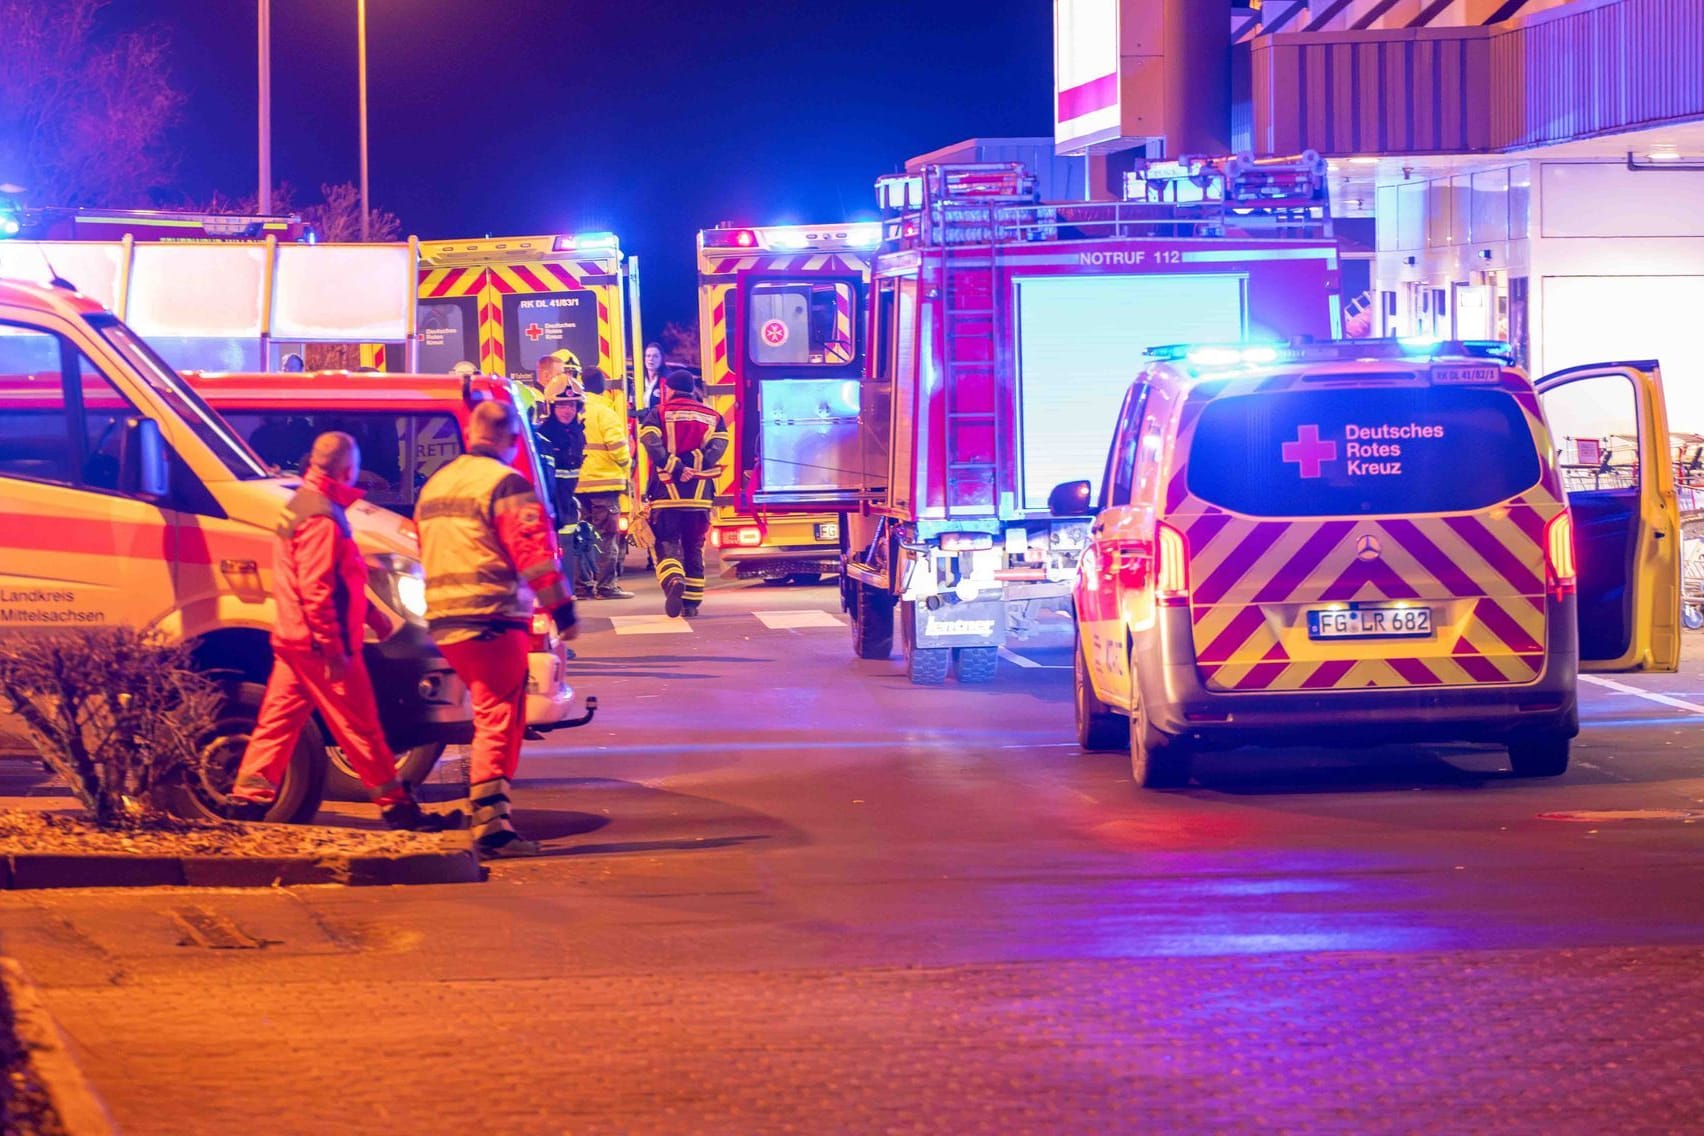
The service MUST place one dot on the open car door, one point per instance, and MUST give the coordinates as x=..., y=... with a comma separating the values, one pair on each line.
x=1609, y=426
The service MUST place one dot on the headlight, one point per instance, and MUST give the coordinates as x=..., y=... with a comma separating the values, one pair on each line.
x=400, y=584
x=411, y=594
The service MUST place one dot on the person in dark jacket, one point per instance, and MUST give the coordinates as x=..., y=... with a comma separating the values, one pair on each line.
x=685, y=440
x=320, y=590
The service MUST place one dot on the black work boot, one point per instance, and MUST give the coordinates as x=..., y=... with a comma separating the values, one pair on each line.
x=247, y=811
x=494, y=837
x=407, y=816
x=673, y=604
x=689, y=609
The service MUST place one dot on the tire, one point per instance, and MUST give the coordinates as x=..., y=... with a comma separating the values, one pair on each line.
x=928, y=666
x=1099, y=726
x=1692, y=615
x=871, y=612
x=1539, y=757
x=412, y=766
x=777, y=581
x=201, y=793
x=976, y=665
x=1157, y=761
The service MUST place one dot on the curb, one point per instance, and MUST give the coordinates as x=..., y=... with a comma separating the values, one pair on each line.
x=456, y=864
x=74, y=1099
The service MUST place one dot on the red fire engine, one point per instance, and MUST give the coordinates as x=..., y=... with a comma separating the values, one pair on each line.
x=1002, y=335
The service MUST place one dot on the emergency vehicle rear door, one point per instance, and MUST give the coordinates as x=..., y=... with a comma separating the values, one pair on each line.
x=1609, y=429
x=799, y=340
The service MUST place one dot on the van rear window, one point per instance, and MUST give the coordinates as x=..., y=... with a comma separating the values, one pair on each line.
x=1348, y=451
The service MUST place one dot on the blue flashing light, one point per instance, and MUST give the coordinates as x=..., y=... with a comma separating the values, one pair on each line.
x=8, y=226
x=864, y=236
x=587, y=242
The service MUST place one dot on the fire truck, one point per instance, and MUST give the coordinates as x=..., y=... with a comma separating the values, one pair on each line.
x=782, y=304
x=1002, y=334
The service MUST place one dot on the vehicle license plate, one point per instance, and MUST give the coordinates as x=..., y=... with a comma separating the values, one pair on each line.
x=1370, y=621
x=829, y=530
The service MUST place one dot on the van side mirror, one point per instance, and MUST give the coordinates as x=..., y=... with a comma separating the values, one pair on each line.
x=1071, y=499
x=147, y=467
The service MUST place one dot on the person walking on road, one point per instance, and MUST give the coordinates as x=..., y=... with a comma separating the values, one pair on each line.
x=604, y=477
x=320, y=592
x=486, y=546
x=564, y=432
x=685, y=441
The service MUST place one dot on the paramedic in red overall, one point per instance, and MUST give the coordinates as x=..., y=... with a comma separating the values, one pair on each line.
x=486, y=545
x=685, y=440
x=320, y=592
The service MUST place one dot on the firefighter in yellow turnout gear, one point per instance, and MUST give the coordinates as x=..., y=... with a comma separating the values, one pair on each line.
x=685, y=440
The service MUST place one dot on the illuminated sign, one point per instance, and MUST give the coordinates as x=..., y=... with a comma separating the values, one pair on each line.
x=1085, y=71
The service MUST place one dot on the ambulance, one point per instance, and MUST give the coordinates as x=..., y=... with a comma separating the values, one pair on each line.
x=126, y=499
x=1361, y=541
x=408, y=427
x=782, y=310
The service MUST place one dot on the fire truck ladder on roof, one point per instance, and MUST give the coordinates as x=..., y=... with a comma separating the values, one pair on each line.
x=969, y=232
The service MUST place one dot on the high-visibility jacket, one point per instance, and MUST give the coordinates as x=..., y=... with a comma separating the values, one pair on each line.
x=486, y=546
x=608, y=460
x=320, y=577
x=685, y=441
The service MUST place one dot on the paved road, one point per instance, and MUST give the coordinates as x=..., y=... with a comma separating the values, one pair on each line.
x=791, y=893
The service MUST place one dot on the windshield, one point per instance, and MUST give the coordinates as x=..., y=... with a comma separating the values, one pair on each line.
x=172, y=390
x=1348, y=451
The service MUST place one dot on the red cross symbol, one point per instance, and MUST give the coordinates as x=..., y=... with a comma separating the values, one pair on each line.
x=534, y=332
x=1308, y=452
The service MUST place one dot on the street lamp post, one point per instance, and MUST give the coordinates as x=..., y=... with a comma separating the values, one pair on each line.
x=361, y=48
x=265, y=196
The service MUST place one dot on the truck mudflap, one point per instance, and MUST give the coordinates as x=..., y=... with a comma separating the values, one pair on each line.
x=1040, y=613
x=947, y=621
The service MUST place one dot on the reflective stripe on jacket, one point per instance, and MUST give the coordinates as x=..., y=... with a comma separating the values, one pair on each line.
x=685, y=441
x=608, y=460
x=487, y=549
x=319, y=576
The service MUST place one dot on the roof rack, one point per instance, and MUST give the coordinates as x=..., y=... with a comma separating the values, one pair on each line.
x=996, y=202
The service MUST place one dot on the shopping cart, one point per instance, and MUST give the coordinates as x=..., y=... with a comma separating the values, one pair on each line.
x=1688, y=451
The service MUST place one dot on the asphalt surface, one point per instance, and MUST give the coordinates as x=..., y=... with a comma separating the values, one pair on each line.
x=789, y=892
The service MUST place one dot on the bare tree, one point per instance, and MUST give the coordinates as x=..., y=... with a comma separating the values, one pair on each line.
x=338, y=218
x=680, y=343
x=83, y=117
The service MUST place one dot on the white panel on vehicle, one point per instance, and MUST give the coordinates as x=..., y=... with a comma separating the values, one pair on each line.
x=346, y=293
x=197, y=291
x=1596, y=319
x=1081, y=341
x=93, y=268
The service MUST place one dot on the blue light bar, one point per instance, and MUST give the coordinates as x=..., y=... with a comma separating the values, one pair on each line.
x=1210, y=355
x=587, y=242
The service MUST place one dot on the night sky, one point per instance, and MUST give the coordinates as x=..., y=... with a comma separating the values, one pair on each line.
x=651, y=118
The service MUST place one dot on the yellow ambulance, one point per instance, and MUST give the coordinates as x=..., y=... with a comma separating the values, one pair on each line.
x=125, y=500
x=1367, y=540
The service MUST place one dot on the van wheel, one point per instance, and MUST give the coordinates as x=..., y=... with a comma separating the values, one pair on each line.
x=1099, y=727
x=976, y=665
x=412, y=766
x=1157, y=761
x=202, y=792
x=871, y=612
x=1539, y=757
x=928, y=666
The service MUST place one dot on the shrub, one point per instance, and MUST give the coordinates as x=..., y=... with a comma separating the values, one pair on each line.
x=116, y=712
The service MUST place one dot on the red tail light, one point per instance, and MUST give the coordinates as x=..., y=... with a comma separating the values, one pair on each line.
x=1559, y=570
x=745, y=536
x=1171, y=567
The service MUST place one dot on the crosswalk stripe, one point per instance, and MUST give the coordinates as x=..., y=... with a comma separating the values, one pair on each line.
x=649, y=625
x=788, y=620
